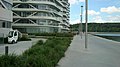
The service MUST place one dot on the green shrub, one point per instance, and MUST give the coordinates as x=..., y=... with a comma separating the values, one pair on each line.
x=24, y=38
x=54, y=34
x=39, y=55
x=9, y=61
x=40, y=42
x=3, y=40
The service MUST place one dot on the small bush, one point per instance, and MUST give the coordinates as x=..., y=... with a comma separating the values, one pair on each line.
x=40, y=42
x=24, y=38
x=9, y=61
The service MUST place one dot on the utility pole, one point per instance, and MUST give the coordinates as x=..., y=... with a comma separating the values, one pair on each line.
x=81, y=20
x=86, y=20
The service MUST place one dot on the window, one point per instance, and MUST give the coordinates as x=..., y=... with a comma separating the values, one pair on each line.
x=3, y=24
x=8, y=5
x=15, y=34
x=10, y=34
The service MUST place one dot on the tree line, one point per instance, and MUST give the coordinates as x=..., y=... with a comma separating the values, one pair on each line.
x=97, y=27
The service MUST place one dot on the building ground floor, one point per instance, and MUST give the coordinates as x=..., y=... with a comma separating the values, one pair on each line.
x=5, y=24
x=40, y=29
x=5, y=27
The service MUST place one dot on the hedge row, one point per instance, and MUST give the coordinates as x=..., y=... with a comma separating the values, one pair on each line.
x=53, y=34
x=39, y=55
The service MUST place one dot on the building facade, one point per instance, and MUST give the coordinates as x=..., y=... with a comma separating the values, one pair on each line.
x=5, y=18
x=5, y=14
x=38, y=16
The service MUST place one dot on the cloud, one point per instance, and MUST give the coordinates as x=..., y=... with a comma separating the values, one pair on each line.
x=113, y=18
x=72, y=1
x=110, y=10
x=81, y=0
x=92, y=12
x=75, y=21
x=98, y=19
x=75, y=1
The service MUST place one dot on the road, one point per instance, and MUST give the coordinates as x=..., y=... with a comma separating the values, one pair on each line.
x=100, y=53
x=20, y=47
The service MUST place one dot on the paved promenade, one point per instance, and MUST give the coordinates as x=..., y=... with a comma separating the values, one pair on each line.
x=20, y=47
x=100, y=53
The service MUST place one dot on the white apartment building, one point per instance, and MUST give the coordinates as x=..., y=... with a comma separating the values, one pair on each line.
x=37, y=16
x=6, y=17
x=5, y=13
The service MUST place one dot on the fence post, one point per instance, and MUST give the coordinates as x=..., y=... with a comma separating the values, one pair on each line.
x=3, y=38
x=6, y=50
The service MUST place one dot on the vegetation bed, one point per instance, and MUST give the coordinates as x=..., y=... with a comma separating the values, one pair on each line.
x=53, y=34
x=39, y=55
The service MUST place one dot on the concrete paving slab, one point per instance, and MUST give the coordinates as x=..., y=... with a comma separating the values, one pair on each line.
x=100, y=53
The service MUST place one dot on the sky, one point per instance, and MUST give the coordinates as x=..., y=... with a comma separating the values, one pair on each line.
x=99, y=11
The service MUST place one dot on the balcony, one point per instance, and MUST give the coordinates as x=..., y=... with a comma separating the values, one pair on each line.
x=65, y=15
x=39, y=17
x=29, y=9
x=38, y=10
x=65, y=24
x=60, y=2
x=38, y=2
x=65, y=28
x=58, y=13
x=20, y=25
x=65, y=2
x=9, y=1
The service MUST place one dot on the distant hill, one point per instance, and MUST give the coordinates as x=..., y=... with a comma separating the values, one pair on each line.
x=98, y=27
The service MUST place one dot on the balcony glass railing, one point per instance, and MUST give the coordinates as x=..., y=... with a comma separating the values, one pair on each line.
x=39, y=1
x=38, y=17
x=43, y=10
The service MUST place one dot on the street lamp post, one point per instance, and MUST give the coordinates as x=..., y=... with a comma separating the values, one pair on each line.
x=86, y=20
x=81, y=20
